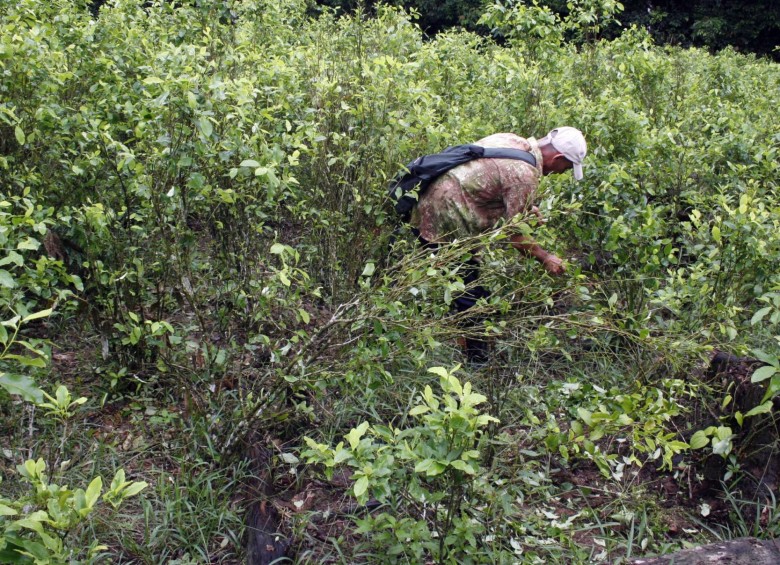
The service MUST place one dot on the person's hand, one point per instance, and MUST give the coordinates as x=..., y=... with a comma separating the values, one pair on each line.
x=539, y=218
x=554, y=265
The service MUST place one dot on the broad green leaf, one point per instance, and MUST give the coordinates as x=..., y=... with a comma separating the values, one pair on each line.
x=441, y=371
x=249, y=163
x=7, y=511
x=93, y=491
x=277, y=249
x=758, y=316
x=29, y=243
x=361, y=486
x=13, y=257
x=134, y=489
x=743, y=204
x=463, y=466
x=699, y=440
x=353, y=437
x=454, y=384
x=763, y=374
x=118, y=480
x=205, y=126
x=677, y=446
x=773, y=388
x=304, y=315
x=341, y=455
x=766, y=357
x=585, y=415
x=485, y=419
x=12, y=322
x=721, y=447
x=22, y=386
x=6, y=279
x=764, y=408
x=423, y=466
x=417, y=410
x=27, y=361
x=368, y=270
x=724, y=432
x=716, y=234
x=20, y=137
x=51, y=542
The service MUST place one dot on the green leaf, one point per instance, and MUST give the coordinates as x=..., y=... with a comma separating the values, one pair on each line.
x=249, y=163
x=20, y=137
x=134, y=489
x=368, y=270
x=12, y=323
x=277, y=249
x=763, y=374
x=93, y=491
x=417, y=410
x=773, y=388
x=721, y=447
x=118, y=481
x=37, y=315
x=304, y=315
x=13, y=257
x=699, y=440
x=22, y=386
x=7, y=511
x=342, y=455
x=463, y=466
x=716, y=234
x=353, y=437
x=6, y=279
x=423, y=466
x=585, y=415
x=361, y=486
x=764, y=408
x=441, y=371
x=758, y=316
x=766, y=357
x=205, y=126
x=29, y=243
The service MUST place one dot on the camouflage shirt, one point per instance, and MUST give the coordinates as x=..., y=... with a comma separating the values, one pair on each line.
x=474, y=197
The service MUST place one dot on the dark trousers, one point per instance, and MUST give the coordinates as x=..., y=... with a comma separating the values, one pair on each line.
x=476, y=350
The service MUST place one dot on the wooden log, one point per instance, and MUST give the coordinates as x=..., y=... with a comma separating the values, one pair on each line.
x=743, y=551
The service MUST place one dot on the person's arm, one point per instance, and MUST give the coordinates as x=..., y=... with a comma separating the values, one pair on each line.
x=528, y=247
x=518, y=200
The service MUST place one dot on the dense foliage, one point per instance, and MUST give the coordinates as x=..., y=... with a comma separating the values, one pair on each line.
x=751, y=26
x=196, y=237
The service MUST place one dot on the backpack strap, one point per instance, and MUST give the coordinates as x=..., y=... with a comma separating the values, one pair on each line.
x=506, y=153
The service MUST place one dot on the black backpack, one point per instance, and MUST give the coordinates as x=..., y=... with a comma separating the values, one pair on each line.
x=407, y=187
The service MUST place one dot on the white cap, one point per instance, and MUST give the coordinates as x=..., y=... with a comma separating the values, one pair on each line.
x=570, y=143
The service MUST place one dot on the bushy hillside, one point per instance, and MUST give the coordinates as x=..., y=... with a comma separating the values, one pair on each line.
x=196, y=239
